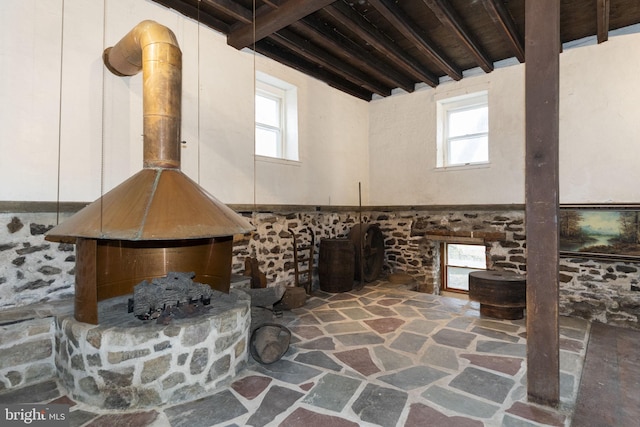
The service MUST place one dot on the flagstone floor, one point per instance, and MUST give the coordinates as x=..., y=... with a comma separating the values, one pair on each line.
x=380, y=356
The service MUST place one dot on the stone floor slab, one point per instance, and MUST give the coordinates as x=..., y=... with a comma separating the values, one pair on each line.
x=380, y=405
x=507, y=365
x=460, y=403
x=502, y=348
x=319, y=359
x=408, y=342
x=325, y=343
x=414, y=377
x=276, y=401
x=287, y=371
x=307, y=332
x=483, y=384
x=499, y=335
x=364, y=338
x=332, y=392
x=328, y=316
x=360, y=360
x=384, y=325
x=356, y=313
x=41, y=392
x=252, y=386
x=537, y=414
x=421, y=415
x=221, y=407
x=453, y=338
x=443, y=357
x=421, y=326
x=138, y=419
x=391, y=360
x=302, y=417
x=344, y=327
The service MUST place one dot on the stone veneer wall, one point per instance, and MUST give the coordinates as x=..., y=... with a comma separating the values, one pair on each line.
x=34, y=270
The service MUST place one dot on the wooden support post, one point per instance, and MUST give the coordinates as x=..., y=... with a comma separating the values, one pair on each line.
x=86, y=294
x=542, y=50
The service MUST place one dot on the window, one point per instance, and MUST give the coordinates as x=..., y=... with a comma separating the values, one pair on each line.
x=458, y=261
x=463, y=130
x=276, y=118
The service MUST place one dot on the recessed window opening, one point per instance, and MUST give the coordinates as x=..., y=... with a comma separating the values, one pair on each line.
x=276, y=118
x=458, y=261
x=463, y=130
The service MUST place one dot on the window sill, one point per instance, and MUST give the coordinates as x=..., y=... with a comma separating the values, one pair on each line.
x=463, y=167
x=277, y=160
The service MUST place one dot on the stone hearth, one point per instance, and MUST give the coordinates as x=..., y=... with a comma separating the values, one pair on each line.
x=125, y=363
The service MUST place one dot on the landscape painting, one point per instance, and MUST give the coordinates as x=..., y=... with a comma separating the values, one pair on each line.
x=600, y=232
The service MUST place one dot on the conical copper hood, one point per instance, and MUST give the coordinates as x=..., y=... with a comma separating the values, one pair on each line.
x=159, y=202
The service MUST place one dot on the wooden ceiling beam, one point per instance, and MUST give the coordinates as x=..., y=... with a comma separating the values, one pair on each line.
x=272, y=21
x=367, y=32
x=195, y=14
x=603, y=8
x=271, y=51
x=502, y=18
x=313, y=54
x=337, y=46
x=233, y=9
x=411, y=31
x=449, y=17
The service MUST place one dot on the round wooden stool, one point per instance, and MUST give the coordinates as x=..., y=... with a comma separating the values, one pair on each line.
x=501, y=294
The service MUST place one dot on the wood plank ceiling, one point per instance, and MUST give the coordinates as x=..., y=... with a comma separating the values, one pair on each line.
x=367, y=47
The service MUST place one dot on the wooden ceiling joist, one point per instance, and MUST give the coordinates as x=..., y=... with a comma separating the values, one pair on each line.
x=275, y=20
x=503, y=19
x=232, y=9
x=268, y=49
x=603, y=9
x=196, y=14
x=332, y=42
x=449, y=17
x=411, y=31
x=293, y=42
x=368, y=33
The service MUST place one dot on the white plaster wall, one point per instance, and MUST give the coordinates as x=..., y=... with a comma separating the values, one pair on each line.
x=71, y=131
x=599, y=128
x=600, y=122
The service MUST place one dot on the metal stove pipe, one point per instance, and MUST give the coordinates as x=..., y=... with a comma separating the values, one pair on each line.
x=153, y=48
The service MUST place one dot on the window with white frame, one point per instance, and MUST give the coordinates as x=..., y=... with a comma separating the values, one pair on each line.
x=276, y=118
x=463, y=130
x=458, y=260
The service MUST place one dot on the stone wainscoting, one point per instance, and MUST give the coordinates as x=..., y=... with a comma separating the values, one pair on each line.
x=34, y=270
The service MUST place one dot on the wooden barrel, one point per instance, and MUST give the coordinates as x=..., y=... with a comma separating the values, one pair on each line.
x=501, y=294
x=336, y=265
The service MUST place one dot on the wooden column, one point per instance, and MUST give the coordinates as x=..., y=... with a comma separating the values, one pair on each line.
x=86, y=296
x=542, y=50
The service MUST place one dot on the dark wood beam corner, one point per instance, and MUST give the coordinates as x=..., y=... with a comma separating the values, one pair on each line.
x=273, y=21
x=603, y=11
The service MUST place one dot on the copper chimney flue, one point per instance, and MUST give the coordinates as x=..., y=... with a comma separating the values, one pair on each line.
x=159, y=220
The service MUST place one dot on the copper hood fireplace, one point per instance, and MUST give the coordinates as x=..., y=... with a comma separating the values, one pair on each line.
x=159, y=220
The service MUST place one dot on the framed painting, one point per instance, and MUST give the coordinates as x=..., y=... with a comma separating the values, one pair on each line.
x=600, y=231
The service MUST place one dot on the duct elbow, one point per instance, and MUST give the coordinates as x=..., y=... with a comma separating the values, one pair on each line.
x=125, y=58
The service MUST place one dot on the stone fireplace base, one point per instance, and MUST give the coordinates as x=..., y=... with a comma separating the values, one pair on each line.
x=125, y=363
